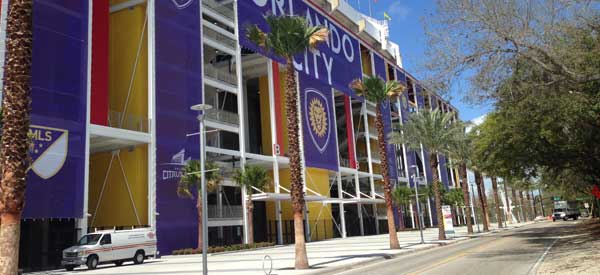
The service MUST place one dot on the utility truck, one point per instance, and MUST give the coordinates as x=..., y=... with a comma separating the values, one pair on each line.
x=111, y=246
x=566, y=210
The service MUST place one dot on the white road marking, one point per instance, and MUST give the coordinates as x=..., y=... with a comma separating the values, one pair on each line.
x=533, y=269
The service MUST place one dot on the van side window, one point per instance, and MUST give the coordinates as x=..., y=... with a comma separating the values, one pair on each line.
x=105, y=240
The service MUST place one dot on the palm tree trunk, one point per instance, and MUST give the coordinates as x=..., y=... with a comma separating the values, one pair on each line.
x=497, y=201
x=296, y=183
x=14, y=159
x=517, y=205
x=433, y=163
x=482, y=200
x=508, y=210
x=250, y=209
x=466, y=197
x=200, y=227
x=401, y=218
x=387, y=187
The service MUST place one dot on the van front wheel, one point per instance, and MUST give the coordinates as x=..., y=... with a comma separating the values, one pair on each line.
x=92, y=262
x=139, y=257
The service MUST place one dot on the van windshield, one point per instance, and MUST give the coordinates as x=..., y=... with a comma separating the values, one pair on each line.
x=89, y=239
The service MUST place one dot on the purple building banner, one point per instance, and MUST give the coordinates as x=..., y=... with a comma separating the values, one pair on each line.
x=178, y=87
x=318, y=124
x=335, y=63
x=401, y=76
x=380, y=69
x=390, y=148
x=59, y=77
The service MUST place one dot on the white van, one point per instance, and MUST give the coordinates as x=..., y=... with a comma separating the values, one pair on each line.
x=111, y=246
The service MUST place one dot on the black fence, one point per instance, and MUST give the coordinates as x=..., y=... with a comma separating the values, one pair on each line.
x=319, y=230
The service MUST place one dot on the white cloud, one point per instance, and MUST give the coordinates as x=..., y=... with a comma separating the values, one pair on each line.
x=398, y=11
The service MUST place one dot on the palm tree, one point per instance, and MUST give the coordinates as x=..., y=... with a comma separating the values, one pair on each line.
x=435, y=131
x=190, y=183
x=497, y=201
x=14, y=158
x=375, y=90
x=291, y=35
x=482, y=200
x=402, y=196
x=460, y=153
x=251, y=177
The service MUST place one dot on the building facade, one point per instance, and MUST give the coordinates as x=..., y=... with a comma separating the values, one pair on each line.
x=113, y=82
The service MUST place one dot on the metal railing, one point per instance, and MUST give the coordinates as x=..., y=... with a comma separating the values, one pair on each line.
x=225, y=10
x=218, y=37
x=223, y=116
x=225, y=212
x=128, y=122
x=221, y=75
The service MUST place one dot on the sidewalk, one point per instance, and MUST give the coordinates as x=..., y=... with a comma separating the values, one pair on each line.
x=324, y=257
x=576, y=252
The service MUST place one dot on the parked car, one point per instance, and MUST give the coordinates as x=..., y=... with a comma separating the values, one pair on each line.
x=111, y=246
x=585, y=213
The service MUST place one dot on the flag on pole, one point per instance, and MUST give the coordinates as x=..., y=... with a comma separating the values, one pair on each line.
x=386, y=16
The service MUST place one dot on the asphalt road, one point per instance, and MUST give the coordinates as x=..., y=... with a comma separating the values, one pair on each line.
x=518, y=251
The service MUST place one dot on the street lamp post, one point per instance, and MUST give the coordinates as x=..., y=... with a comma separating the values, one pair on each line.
x=415, y=178
x=201, y=109
x=473, y=206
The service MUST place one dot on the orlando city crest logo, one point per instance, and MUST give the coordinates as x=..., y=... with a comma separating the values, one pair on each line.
x=182, y=4
x=317, y=116
x=48, y=150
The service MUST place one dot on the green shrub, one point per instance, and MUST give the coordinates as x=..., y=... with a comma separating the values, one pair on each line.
x=217, y=249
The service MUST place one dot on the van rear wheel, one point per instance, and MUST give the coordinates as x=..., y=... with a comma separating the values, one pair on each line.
x=92, y=262
x=139, y=257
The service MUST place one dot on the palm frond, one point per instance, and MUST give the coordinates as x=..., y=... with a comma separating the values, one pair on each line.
x=317, y=35
x=251, y=177
x=288, y=35
x=435, y=130
x=191, y=178
x=376, y=90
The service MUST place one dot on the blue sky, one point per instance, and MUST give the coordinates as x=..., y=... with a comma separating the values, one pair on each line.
x=407, y=31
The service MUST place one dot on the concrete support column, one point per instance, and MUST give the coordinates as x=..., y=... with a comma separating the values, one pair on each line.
x=358, y=205
x=273, y=123
x=370, y=163
x=341, y=205
x=412, y=216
